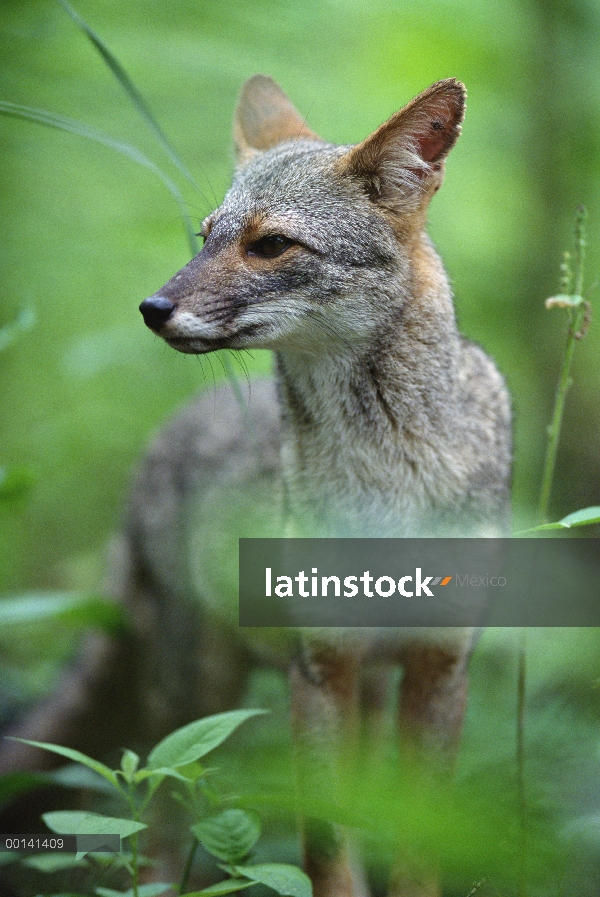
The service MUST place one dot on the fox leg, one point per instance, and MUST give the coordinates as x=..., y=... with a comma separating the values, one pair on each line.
x=325, y=694
x=433, y=700
x=432, y=706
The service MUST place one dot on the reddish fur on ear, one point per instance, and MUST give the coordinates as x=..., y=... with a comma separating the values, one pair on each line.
x=443, y=106
x=404, y=156
x=265, y=117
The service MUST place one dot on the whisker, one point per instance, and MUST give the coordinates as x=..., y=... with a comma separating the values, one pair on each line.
x=203, y=369
x=242, y=363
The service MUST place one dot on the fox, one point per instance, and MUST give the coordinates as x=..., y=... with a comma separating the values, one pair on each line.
x=381, y=420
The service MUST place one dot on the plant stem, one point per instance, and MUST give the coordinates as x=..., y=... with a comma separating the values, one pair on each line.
x=555, y=427
x=576, y=316
x=135, y=877
x=135, y=869
x=522, y=797
x=188, y=866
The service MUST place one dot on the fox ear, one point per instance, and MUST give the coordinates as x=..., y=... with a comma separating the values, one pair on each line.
x=401, y=163
x=265, y=117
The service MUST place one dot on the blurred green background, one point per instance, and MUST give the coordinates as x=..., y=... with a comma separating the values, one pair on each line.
x=88, y=234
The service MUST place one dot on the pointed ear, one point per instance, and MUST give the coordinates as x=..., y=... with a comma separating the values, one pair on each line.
x=265, y=117
x=401, y=163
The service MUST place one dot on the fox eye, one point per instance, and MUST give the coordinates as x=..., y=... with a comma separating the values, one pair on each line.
x=270, y=246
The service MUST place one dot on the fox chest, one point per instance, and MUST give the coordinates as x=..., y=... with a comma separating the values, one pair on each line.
x=348, y=481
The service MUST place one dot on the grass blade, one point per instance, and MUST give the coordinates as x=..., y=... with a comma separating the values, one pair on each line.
x=142, y=107
x=132, y=92
x=584, y=517
x=51, y=120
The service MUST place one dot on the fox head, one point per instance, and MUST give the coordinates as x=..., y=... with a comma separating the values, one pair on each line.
x=314, y=244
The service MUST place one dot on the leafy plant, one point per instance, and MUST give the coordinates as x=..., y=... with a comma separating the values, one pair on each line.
x=227, y=833
x=579, y=312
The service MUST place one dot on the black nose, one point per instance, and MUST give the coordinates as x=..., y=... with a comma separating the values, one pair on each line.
x=156, y=311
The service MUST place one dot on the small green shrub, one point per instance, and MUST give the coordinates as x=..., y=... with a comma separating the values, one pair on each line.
x=227, y=832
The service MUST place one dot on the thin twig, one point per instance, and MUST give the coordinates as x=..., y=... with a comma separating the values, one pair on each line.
x=521, y=789
x=579, y=322
x=188, y=867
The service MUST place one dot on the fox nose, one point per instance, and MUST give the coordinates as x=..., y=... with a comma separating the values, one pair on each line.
x=156, y=311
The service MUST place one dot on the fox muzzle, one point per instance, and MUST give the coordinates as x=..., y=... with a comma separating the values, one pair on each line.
x=156, y=311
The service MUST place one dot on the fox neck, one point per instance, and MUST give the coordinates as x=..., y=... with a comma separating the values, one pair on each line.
x=365, y=445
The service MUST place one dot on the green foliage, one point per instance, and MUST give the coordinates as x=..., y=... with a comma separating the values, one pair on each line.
x=77, y=757
x=583, y=517
x=78, y=822
x=130, y=89
x=79, y=129
x=579, y=314
x=286, y=880
x=230, y=834
x=223, y=887
x=89, y=235
x=151, y=890
x=78, y=610
x=473, y=827
x=197, y=739
x=88, y=238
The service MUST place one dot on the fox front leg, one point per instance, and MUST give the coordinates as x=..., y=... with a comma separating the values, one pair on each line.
x=432, y=705
x=325, y=693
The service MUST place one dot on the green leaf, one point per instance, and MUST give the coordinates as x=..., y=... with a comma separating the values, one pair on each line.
x=193, y=741
x=229, y=835
x=50, y=120
x=150, y=890
x=584, y=517
x=129, y=764
x=288, y=881
x=74, y=775
x=122, y=860
x=581, y=518
x=52, y=862
x=78, y=757
x=193, y=771
x=72, y=608
x=79, y=822
x=161, y=772
x=222, y=887
x=15, y=480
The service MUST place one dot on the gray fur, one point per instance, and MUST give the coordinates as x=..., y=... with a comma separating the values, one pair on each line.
x=393, y=424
